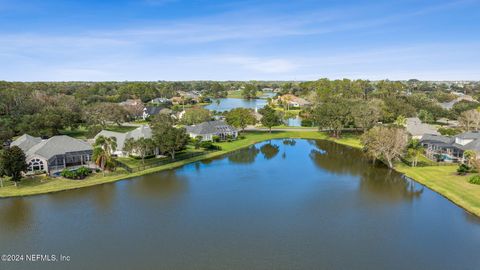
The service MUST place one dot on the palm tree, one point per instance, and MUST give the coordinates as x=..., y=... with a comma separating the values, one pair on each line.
x=415, y=149
x=102, y=154
x=469, y=156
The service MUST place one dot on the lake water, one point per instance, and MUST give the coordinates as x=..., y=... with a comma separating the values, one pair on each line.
x=226, y=104
x=292, y=204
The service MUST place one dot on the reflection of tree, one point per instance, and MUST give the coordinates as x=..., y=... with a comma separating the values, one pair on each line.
x=289, y=142
x=15, y=213
x=337, y=158
x=163, y=184
x=388, y=185
x=375, y=180
x=244, y=156
x=269, y=150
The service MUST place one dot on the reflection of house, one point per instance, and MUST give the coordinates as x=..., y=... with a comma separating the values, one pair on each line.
x=140, y=132
x=417, y=129
x=54, y=154
x=208, y=130
x=451, y=149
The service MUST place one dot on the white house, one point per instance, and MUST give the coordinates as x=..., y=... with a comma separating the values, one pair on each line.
x=140, y=132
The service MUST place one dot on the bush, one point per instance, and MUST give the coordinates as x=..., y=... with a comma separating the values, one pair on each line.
x=209, y=145
x=449, y=131
x=474, y=180
x=306, y=123
x=79, y=173
x=463, y=169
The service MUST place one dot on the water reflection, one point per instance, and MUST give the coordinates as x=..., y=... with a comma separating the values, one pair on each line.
x=15, y=213
x=165, y=184
x=337, y=158
x=269, y=150
x=244, y=156
x=388, y=185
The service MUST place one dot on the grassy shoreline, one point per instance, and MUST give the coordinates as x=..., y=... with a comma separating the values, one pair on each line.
x=58, y=184
x=441, y=179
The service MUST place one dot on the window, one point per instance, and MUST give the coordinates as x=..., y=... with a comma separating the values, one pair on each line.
x=36, y=165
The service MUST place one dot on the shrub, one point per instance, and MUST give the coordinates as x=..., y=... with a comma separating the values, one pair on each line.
x=209, y=145
x=79, y=173
x=463, y=169
x=449, y=131
x=474, y=180
x=306, y=123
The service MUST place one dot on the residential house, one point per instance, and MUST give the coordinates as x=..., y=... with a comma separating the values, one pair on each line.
x=135, y=107
x=209, y=130
x=154, y=110
x=54, y=154
x=417, y=129
x=140, y=132
x=292, y=101
x=451, y=149
x=165, y=101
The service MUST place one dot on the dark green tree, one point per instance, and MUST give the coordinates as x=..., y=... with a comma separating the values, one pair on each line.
x=270, y=118
x=13, y=163
x=240, y=118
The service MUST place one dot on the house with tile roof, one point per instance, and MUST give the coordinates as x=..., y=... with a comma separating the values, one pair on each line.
x=54, y=154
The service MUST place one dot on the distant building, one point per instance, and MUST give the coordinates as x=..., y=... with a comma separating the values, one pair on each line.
x=140, y=132
x=134, y=107
x=54, y=154
x=208, y=130
x=154, y=110
x=160, y=101
x=292, y=101
x=460, y=97
x=417, y=129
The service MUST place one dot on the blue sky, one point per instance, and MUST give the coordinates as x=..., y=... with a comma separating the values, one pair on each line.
x=53, y=40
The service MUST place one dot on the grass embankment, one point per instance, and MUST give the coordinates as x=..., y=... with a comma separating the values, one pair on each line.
x=40, y=185
x=445, y=181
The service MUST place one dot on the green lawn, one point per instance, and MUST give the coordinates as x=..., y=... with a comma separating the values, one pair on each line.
x=444, y=180
x=82, y=132
x=238, y=94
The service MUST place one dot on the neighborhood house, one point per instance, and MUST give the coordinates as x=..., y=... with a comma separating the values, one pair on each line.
x=55, y=154
x=451, y=149
x=209, y=130
x=140, y=132
x=417, y=129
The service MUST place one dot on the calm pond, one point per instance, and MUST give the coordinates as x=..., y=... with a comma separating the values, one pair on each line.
x=226, y=104
x=293, y=204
